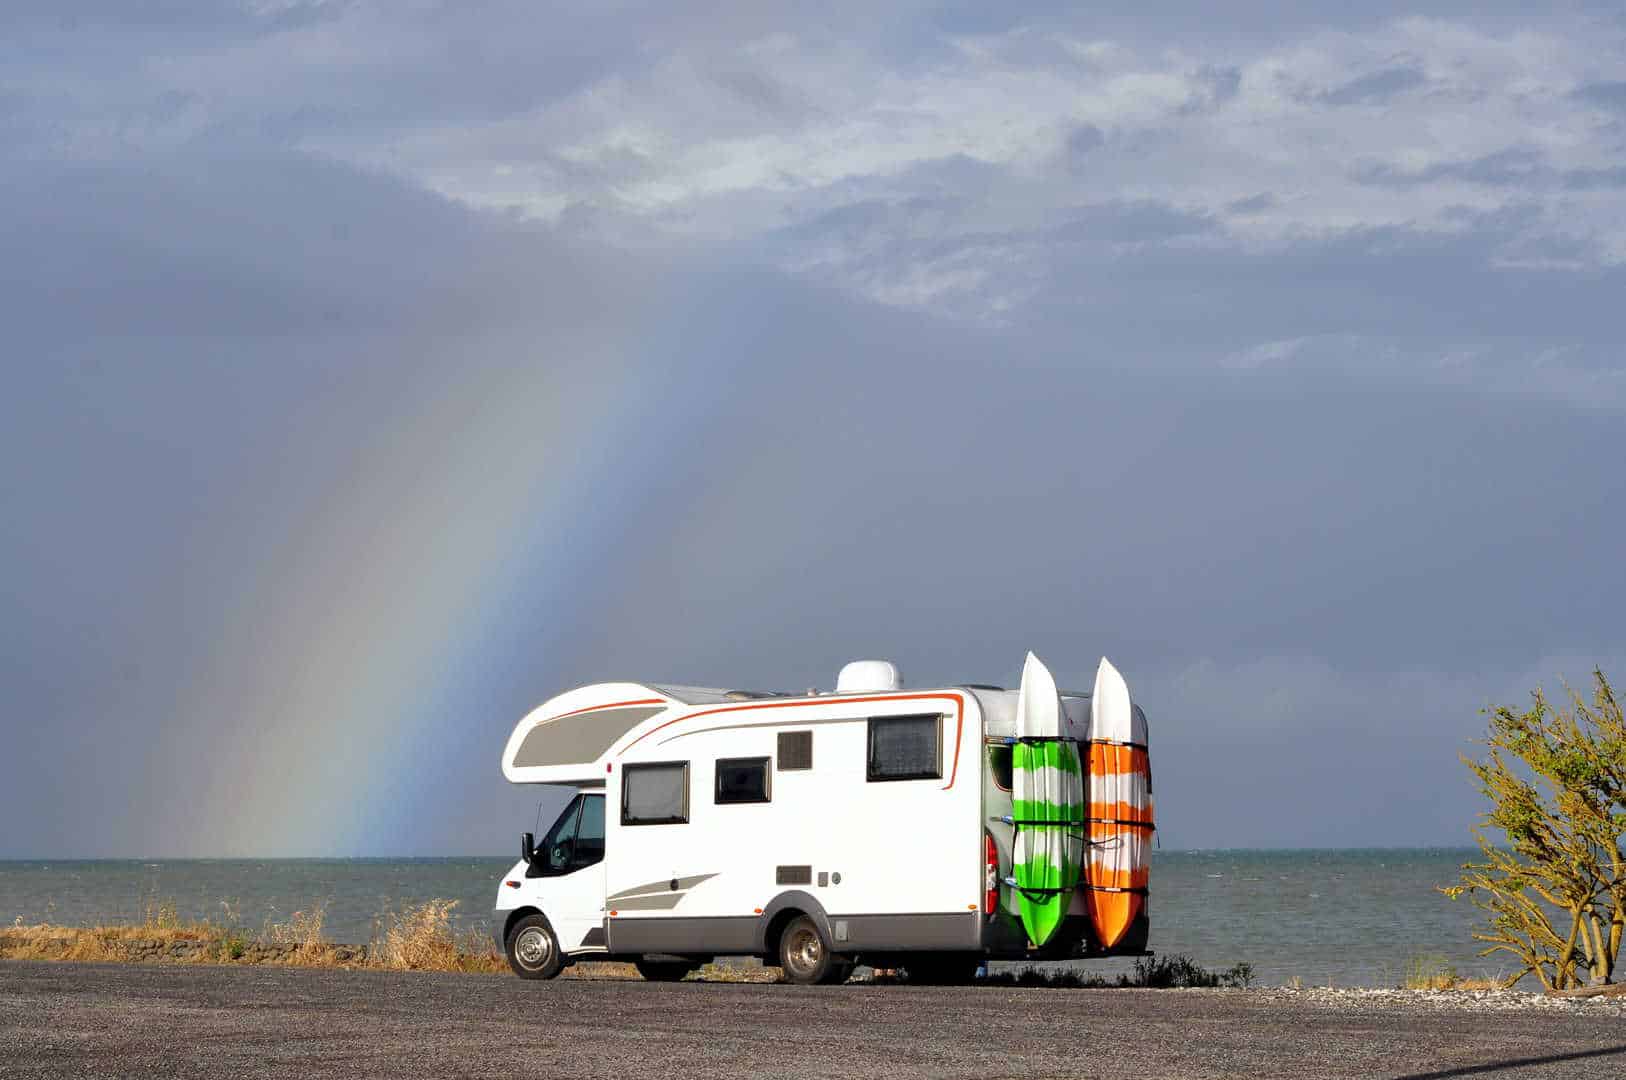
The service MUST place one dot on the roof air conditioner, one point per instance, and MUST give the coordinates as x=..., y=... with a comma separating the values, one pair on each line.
x=869, y=677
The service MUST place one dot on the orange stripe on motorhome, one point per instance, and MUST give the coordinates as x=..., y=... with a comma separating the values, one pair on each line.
x=959, y=717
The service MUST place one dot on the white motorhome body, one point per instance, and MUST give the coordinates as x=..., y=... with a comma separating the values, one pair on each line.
x=812, y=831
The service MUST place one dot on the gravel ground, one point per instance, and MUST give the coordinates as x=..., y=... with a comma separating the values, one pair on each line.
x=88, y=1020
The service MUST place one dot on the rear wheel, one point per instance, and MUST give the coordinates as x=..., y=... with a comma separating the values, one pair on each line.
x=942, y=969
x=664, y=970
x=806, y=957
x=533, y=950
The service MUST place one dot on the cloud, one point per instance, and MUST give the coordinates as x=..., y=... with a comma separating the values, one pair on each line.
x=1610, y=95
x=404, y=366
x=752, y=128
x=1378, y=87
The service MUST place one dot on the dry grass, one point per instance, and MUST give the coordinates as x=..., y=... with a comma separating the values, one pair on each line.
x=420, y=938
x=1434, y=972
x=417, y=938
x=303, y=931
x=44, y=941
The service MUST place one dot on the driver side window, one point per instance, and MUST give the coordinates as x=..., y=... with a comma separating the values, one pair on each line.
x=590, y=833
x=575, y=840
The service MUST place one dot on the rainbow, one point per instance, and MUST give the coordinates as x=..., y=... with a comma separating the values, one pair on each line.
x=319, y=716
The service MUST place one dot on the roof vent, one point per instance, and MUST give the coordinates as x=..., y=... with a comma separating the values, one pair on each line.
x=868, y=677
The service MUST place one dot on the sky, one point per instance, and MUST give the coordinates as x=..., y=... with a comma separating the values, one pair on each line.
x=372, y=372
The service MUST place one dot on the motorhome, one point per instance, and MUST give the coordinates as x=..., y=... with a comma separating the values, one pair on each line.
x=868, y=825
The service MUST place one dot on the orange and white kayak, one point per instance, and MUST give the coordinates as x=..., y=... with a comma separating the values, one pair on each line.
x=1120, y=809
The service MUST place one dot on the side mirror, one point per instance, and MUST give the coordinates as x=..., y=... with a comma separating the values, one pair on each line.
x=527, y=848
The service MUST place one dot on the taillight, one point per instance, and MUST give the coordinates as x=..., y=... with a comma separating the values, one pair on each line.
x=990, y=874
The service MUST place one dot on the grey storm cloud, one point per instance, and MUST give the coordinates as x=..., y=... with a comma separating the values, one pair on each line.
x=1378, y=87
x=1278, y=361
x=1523, y=168
x=1611, y=95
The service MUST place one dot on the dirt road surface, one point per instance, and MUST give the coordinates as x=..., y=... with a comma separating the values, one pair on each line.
x=91, y=1020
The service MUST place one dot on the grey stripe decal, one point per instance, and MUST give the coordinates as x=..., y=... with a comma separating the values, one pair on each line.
x=653, y=902
x=663, y=886
x=718, y=936
x=570, y=740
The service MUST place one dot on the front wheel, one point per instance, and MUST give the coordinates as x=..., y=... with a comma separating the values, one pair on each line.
x=533, y=950
x=805, y=956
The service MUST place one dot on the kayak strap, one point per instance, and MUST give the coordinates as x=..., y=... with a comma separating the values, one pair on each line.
x=1114, y=742
x=1036, y=893
x=1123, y=823
x=1012, y=740
x=1033, y=893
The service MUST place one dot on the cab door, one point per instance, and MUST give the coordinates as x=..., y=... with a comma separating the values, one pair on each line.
x=571, y=859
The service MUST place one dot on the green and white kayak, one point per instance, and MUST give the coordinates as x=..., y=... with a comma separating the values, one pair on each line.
x=1048, y=786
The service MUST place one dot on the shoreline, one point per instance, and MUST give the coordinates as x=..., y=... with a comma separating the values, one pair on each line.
x=138, y=946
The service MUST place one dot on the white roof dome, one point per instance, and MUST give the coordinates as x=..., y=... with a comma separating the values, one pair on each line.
x=868, y=677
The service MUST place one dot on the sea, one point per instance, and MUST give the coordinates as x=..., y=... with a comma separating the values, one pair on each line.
x=1348, y=918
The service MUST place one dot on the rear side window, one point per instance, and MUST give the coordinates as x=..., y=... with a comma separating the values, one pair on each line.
x=999, y=763
x=904, y=747
x=742, y=780
x=655, y=794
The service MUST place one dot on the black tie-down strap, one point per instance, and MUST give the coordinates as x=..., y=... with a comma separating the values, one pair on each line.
x=1122, y=822
x=1037, y=894
x=1114, y=742
x=1018, y=823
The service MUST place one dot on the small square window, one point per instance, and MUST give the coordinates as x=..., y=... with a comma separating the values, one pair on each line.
x=904, y=747
x=742, y=780
x=655, y=794
x=795, y=750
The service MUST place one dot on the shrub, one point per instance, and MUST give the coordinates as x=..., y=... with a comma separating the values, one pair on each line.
x=420, y=938
x=1552, y=880
x=1150, y=972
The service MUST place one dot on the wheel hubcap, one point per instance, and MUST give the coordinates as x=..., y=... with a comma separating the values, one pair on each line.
x=806, y=950
x=533, y=948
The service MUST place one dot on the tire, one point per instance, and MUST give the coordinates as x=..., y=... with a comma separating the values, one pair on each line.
x=805, y=956
x=533, y=949
x=664, y=970
x=942, y=969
